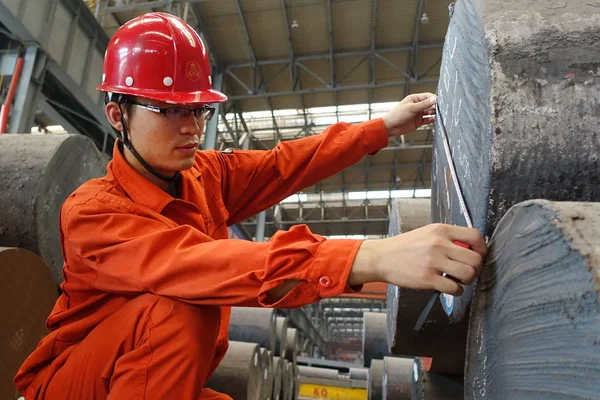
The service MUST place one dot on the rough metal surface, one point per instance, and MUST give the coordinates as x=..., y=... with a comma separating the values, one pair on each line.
x=520, y=101
x=535, y=323
x=435, y=386
x=405, y=307
x=253, y=325
x=37, y=173
x=374, y=340
x=375, y=380
x=397, y=378
x=28, y=295
x=240, y=373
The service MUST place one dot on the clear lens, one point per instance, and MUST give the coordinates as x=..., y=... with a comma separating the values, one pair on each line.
x=177, y=114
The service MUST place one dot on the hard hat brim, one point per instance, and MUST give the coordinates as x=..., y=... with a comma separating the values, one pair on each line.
x=200, y=97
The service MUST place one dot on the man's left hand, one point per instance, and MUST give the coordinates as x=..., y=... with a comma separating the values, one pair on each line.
x=409, y=115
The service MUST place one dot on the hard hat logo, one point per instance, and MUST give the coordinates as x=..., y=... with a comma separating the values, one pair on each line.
x=192, y=70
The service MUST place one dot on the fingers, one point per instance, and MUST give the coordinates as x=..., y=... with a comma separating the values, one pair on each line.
x=419, y=97
x=464, y=256
x=470, y=236
x=424, y=104
x=447, y=285
x=464, y=273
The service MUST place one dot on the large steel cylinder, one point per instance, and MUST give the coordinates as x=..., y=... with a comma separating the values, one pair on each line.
x=240, y=374
x=281, y=336
x=37, y=174
x=397, y=378
x=267, y=365
x=253, y=325
x=291, y=351
x=28, y=295
x=374, y=340
x=534, y=328
x=375, y=380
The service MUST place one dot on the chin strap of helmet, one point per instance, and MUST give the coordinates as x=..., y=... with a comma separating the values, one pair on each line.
x=172, y=181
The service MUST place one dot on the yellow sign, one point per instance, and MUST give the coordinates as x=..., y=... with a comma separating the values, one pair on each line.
x=312, y=391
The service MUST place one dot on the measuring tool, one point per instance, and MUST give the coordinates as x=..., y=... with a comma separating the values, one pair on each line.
x=463, y=209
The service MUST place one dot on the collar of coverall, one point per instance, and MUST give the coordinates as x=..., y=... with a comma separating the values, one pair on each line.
x=140, y=189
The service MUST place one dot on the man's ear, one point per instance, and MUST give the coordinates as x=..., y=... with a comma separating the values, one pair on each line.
x=113, y=114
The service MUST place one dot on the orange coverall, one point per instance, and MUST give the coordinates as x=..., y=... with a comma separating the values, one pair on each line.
x=149, y=278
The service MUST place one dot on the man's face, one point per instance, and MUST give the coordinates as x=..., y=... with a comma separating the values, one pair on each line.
x=167, y=144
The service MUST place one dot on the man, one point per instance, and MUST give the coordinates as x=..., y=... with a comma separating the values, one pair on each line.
x=148, y=275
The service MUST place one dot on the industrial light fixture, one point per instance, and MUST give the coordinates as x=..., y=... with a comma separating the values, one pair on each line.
x=295, y=24
x=424, y=19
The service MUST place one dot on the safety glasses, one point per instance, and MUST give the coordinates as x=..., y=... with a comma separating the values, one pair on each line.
x=178, y=114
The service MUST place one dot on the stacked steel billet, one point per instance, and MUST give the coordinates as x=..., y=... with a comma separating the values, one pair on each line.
x=411, y=214
x=281, y=336
x=267, y=365
x=435, y=386
x=277, y=377
x=28, y=296
x=253, y=325
x=291, y=351
x=519, y=108
x=397, y=378
x=37, y=173
x=287, y=382
x=240, y=374
x=436, y=338
x=375, y=380
x=374, y=340
x=359, y=373
x=296, y=375
x=535, y=322
x=315, y=372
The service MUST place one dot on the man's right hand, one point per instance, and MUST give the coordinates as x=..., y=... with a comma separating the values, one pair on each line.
x=417, y=259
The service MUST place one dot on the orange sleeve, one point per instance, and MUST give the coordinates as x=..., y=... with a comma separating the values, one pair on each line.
x=118, y=251
x=255, y=180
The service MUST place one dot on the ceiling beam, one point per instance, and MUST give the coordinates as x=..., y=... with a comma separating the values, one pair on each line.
x=137, y=6
x=337, y=55
x=328, y=90
x=416, y=39
x=292, y=65
x=202, y=31
x=372, y=79
x=255, y=68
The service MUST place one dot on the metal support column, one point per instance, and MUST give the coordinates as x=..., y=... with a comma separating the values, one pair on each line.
x=28, y=91
x=210, y=136
x=261, y=220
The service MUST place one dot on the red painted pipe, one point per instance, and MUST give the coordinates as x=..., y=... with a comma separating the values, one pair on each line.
x=11, y=94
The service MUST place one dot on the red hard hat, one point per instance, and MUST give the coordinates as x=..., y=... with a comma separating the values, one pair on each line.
x=159, y=56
